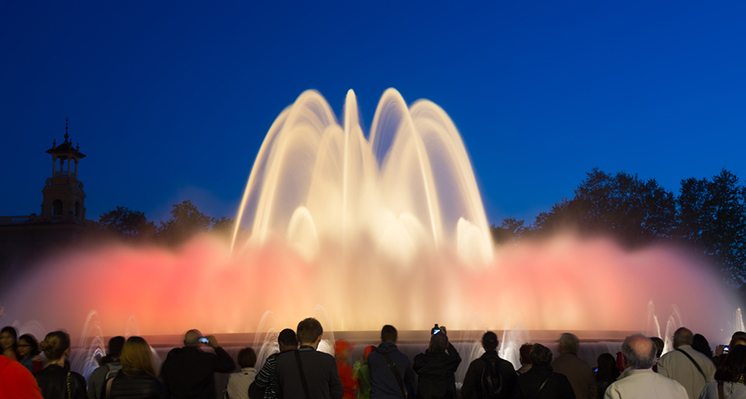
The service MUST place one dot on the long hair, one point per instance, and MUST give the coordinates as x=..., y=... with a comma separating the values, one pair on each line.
x=14, y=333
x=734, y=366
x=136, y=357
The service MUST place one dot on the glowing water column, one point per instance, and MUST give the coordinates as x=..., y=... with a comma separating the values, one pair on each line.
x=409, y=187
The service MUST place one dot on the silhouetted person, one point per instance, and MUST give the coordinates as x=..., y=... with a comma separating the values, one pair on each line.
x=489, y=376
x=701, y=345
x=435, y=368
x=659, y=345
x=9, y=342
x=265, y=383
x=308, y=373
x=639, y=380
x=577, y=371
x=28, y=353
x=524, y=356
x=109, y=366
x=728, y=377
x=738, y=338
x=188, y=371
x=137, y=378
x=391, y=374
x=606, y=373
x=238, y=383
x=687, y=366
x=56, y=381
x=541, y=382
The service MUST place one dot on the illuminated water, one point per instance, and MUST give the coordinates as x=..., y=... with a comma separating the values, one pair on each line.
x=363, y=232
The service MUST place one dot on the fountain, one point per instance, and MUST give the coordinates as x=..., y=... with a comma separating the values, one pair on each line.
x=362, y=232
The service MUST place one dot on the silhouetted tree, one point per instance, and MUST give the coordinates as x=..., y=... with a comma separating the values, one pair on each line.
x=712, y=216
x=186, y=220
x=623, y=206
x=509, y=230
x=223, y=226
x=127, y=224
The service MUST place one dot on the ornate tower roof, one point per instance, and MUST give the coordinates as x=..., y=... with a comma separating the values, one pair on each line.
x=66, y=150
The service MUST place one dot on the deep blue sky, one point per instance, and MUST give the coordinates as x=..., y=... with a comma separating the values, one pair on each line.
x=171, y=101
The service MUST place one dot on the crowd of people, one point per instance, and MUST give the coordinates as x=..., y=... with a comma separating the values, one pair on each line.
x=31, y=369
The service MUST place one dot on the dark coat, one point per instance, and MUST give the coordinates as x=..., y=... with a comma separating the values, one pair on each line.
x=472, y=387
x=383, y=382
x=53, y=381
x=436, y=374
x=137, y=386
x=188, y=372
x=556, y=386
x=320, y=370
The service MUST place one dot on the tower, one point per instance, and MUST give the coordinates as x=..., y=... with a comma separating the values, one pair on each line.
x=64, y=198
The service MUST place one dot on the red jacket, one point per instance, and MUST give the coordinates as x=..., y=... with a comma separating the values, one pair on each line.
x=17, y=381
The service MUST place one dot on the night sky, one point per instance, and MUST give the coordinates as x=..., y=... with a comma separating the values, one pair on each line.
x=171, y=101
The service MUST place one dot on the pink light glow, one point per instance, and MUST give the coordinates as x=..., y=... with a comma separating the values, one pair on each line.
x=561, y=284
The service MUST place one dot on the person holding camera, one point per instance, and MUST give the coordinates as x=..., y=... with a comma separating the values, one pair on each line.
x=436, y=367
x=188, y=371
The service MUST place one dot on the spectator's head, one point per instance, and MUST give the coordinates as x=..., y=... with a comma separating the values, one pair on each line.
x=607, y=366
x=287, y=340
x=115, y=346
x=682, y=336
x=540, y=355
x=700, y=344
x=659, y=345
x=438, y=343
x=734, y=366
x=28, y=346
x=191, y=338
x=489, y=341
x=738, y=338
x=246, y=358
x=639, y=351
x=525, y=354
x=568, y=343
x=56, y=346
x=8, y=338
x=309, y=332
x=389, y=334
x=136, y=357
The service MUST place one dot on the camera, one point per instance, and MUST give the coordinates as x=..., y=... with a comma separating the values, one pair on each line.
x=726, y=349
x=435, y=329
x=203, y=340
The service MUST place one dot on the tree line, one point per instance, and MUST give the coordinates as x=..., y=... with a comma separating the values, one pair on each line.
x=185, y=220
x=708, y=215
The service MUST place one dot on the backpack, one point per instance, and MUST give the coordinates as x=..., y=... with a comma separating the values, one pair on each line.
x=112, y=369
x=491, y=381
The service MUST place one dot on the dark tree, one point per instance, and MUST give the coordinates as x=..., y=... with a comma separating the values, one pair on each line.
x=127, y=224
x=223, y=226
x=631, y=210
x=510, y=229
x=712, y=216
x=186, y=220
